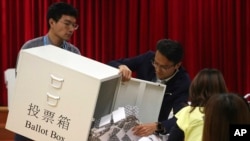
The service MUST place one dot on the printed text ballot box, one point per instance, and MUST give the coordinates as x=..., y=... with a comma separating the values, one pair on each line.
x=56, y=94
x=147, y=96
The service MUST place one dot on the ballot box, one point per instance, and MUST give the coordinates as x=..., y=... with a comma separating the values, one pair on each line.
x=59, y=94
x=56, y=94
x=145, y=95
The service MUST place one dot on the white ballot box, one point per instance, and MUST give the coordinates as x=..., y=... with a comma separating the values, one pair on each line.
x=147, y=96
x=58, y=94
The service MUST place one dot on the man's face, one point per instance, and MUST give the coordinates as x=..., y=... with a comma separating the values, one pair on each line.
x=163, y=67
x=64, y=27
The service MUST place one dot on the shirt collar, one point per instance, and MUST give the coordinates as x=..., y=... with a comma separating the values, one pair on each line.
x=48, y=42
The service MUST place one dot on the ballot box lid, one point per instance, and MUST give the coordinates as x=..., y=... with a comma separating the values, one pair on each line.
x=72, y=60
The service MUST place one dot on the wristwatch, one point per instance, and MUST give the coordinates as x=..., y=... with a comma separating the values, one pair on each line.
x=160, y=128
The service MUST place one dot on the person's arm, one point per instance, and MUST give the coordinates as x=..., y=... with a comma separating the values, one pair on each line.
x=176, y=134
x=123, y=68
x=129, y=65
x=168, y=124
x=126, y=72
x=179, y=102
x=145, y=129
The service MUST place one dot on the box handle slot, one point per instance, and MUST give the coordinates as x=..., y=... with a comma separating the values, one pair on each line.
x=56, y=82
x=52, y=100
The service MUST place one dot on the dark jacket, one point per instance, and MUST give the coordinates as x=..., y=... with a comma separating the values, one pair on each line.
x=176, y=94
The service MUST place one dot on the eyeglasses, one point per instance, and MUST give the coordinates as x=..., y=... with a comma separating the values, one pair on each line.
x=162, y=67
x=68, y=24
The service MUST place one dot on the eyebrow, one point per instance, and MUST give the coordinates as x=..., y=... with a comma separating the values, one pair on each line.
x=66, y=20
x=164, y=64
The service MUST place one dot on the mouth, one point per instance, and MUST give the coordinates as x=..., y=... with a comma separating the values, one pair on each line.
x=159, y=75
x=68, y=36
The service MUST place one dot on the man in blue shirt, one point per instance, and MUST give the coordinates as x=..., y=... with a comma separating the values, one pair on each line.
x=61, y=18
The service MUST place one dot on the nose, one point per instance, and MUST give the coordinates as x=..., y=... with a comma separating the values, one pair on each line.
x=72, y=28
x=157, y=69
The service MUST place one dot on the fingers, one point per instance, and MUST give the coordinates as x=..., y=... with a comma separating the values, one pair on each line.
x=126, y=72
x=141, y=130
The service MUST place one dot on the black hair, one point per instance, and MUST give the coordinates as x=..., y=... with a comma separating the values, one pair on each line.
x=56, y=10
x=172, y=50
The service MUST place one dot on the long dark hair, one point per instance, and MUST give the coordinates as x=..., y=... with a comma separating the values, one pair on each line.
x=221, y=111
x=205, y=84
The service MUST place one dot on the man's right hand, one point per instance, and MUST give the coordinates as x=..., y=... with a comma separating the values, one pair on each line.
x=126, y=73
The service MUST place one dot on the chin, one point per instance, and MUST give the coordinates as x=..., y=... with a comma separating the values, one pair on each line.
x=161, y=77
x=66, y=39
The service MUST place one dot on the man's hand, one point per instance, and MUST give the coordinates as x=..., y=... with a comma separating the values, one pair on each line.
x=126, y=72
x=145, y=129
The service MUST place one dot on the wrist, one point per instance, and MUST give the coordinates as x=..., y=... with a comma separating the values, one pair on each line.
x=159, y=128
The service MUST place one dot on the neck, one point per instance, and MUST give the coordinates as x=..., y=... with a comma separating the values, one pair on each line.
x=54, y=39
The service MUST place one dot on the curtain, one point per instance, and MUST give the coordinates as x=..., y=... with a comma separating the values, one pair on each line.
x=214, y=33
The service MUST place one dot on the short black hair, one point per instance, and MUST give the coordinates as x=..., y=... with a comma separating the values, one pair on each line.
x=171, y=49
x=56, y=10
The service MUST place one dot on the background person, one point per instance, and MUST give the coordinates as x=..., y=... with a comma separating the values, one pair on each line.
x=165, y=66
x=221, y=111
x=61, y=19
x=189, y=124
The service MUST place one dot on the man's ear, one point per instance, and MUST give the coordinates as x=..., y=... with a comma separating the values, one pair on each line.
x=178, y=65
x=51, y=22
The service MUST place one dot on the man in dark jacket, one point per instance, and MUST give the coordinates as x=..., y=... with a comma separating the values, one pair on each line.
x=164, y=66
